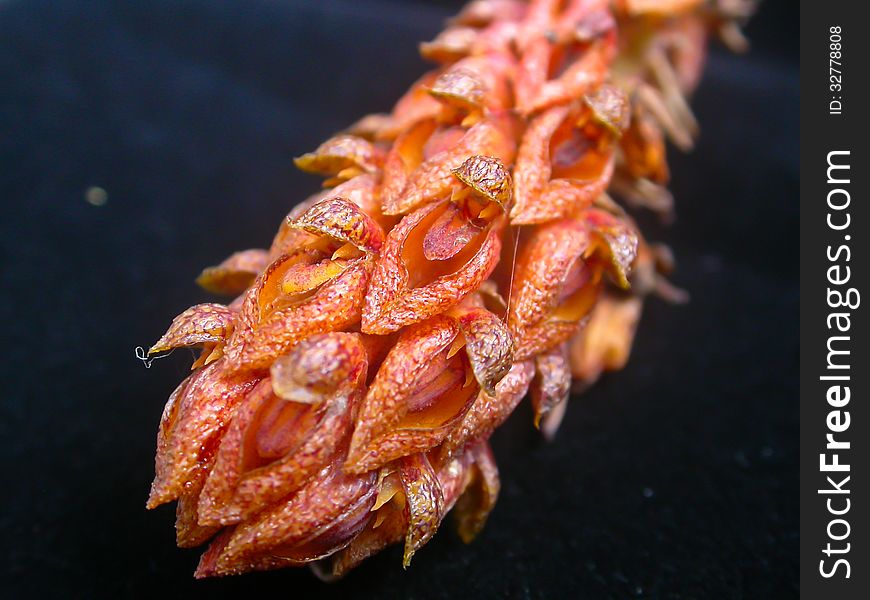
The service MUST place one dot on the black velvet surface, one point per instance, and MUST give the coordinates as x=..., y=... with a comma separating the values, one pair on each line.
x=676, y=478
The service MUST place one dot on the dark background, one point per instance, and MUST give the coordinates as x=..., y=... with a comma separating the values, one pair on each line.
x=676, y=478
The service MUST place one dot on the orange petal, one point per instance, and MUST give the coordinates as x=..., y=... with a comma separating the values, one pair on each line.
x=584, y=74
x=657, y=7
x=489, y=346
x=415, y=106
x=390, y=524
x=476, y=83
x=371, y=126
x=193, y=421
x=480, y=13
x=320, y=366
x=565, y=197
x=419, y=394
x=360, y=190
x=317, y=521
x=489, y=411
x=488, y=177
x=610, y=107
x=342, y=220
x=235, y=274
x=539, y=196
x=200, y=324
x=553, y=287
x=615, y=242
x=267, y=330
x=424, y=502
x=434, y=178
x=552, y=331
x=584, y=20
x=403, y=158
x=342, y=153
x=474, y=506
x=550, y=421
x=532, y=72
x=386, y=529
x=450, y=45
x=553, y=382
x=604, y=344
x=449, y=234
x=189, y=533
x=533, y=169
x=643, y=146
x=454, y=475
x=542, y=268
x=407, y=288
x=398, y=377
x=273, y=445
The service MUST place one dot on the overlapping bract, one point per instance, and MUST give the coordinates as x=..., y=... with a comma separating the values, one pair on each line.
x=464, y=254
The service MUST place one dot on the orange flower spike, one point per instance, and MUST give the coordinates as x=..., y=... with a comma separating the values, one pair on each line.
x=200, y=324
x=342, y=157
x=440, y=253
x=343, y=401
x=235, y=274
x=192, y=423
x=551, y=389
x=320, y=519
x=288, y=429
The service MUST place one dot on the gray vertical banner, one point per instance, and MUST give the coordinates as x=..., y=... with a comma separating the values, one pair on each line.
x=835, y=226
